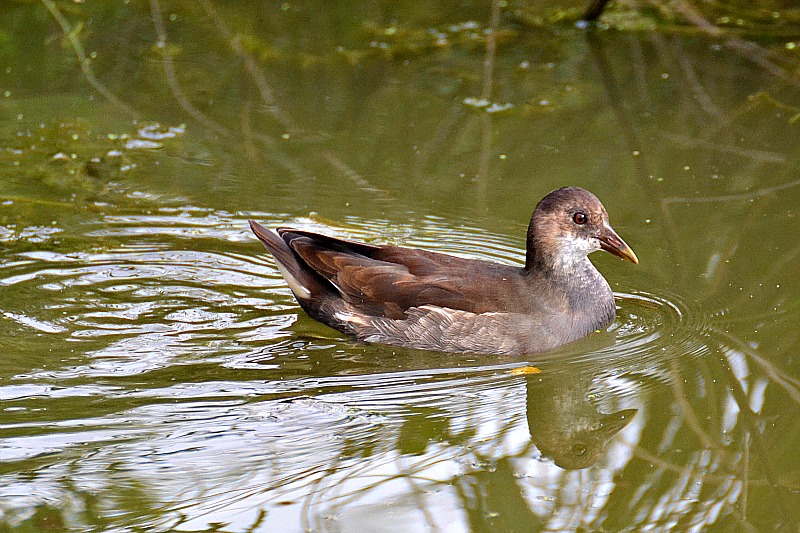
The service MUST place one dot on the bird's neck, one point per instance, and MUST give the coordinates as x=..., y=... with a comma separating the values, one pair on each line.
x=587, y=292
x=591, y=298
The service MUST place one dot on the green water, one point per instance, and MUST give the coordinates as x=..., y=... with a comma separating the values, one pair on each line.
x=157, y=374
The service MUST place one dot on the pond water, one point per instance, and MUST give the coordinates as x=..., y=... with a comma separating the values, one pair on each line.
x=157, y=374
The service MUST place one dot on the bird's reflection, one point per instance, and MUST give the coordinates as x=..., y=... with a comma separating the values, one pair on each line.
x=564, y=424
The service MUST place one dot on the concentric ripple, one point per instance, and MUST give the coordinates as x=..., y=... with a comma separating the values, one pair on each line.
x=648, y=322
x=152, y=291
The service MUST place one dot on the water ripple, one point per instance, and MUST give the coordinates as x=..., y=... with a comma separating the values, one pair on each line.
x=148, y=300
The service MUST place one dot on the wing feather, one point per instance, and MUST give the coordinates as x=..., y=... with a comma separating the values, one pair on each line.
x=378, y=280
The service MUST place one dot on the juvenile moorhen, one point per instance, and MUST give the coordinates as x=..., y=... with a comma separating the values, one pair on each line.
x=434, y=301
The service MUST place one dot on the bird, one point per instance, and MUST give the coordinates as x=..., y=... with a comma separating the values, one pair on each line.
x=434, y=301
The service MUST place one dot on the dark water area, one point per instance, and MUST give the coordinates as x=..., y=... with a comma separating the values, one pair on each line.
x=158, y=375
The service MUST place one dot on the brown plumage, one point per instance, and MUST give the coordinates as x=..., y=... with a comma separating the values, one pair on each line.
x=434, y=301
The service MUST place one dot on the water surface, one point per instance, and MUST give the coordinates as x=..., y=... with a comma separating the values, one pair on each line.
x=158, y=375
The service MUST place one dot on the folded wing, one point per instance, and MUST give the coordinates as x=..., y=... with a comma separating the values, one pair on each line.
x=380, y=280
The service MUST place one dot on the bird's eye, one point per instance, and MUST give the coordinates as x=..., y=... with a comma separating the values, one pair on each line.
x=578, y=449
x=580, y=218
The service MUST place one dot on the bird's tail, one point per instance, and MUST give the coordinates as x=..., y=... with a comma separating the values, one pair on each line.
x=300, y=278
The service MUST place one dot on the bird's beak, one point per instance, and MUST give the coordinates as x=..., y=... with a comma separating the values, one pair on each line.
x=614, y=422
x=612, y=243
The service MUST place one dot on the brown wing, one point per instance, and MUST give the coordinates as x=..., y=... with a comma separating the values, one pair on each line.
x=388, y=280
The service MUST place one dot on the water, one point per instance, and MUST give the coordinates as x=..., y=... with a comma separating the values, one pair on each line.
x=158, y=375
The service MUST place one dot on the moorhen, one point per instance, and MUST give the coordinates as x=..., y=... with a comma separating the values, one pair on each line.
x=434, y=301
